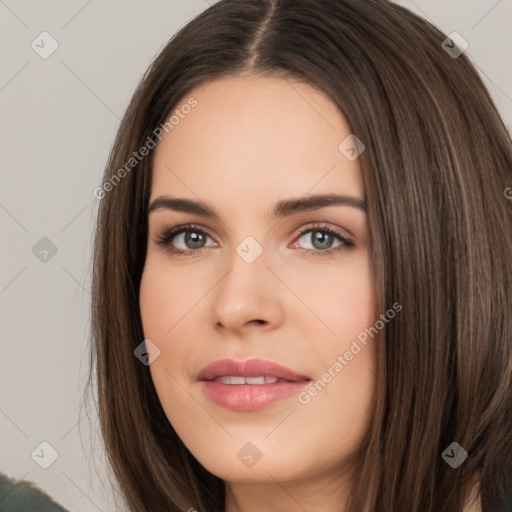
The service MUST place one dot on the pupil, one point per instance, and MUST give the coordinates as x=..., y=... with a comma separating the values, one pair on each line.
x=321, y=240
x=194, y=240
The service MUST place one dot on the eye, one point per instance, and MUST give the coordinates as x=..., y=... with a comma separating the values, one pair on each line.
x=317, y=240
x=185, y=240
x=322, y=240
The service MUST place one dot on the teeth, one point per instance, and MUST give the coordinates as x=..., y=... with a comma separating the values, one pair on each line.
x=254, y=380
x=226, y=380
x=237, y=380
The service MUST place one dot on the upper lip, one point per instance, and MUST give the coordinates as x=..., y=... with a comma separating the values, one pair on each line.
x=249, y=368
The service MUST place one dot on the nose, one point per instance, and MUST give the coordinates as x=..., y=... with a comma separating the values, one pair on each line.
x=248, y=297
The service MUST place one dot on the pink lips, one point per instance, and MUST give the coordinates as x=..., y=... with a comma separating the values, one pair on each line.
x=250, y=397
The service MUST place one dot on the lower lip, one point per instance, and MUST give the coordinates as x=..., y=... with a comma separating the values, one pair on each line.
x=250, y=397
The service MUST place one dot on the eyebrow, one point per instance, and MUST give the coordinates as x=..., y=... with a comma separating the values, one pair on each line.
x=282, y=209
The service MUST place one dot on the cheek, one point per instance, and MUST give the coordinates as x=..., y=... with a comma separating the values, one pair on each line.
x=166, y=294
x=170, y=299
x=165, y=299
x=353, y=314
x=341, y=297
x=156, y=301
x=354, y=295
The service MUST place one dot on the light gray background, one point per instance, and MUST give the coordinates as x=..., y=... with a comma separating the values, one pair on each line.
x=59, y=117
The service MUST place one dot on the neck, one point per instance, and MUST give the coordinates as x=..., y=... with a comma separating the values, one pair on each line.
x=325, y=493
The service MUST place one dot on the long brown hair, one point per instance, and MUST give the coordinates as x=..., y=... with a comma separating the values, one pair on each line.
x=436, y=168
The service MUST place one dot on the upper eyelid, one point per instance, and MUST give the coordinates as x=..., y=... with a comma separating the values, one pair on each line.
x=223, y=226
x=308, y=227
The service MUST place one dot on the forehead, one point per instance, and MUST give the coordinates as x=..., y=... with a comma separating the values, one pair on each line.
x=255, y=138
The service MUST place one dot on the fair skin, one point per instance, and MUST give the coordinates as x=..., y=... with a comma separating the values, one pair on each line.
x=249, y=143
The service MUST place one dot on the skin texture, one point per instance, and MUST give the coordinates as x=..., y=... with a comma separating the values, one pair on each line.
x=249, y=143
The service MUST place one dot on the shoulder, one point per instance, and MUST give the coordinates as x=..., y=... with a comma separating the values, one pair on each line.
x=23, y=496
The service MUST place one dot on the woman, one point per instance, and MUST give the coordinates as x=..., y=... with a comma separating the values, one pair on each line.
x=302, y=272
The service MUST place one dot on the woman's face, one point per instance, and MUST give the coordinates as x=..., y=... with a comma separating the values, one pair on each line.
x=291, y=286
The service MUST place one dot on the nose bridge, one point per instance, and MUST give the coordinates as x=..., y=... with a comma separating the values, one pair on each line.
x=247, y=292
x=247, y=274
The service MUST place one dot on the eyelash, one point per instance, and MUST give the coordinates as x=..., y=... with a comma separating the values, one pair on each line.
x=167, y=236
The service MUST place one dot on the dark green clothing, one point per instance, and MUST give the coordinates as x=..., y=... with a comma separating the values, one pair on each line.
x=23, y=496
